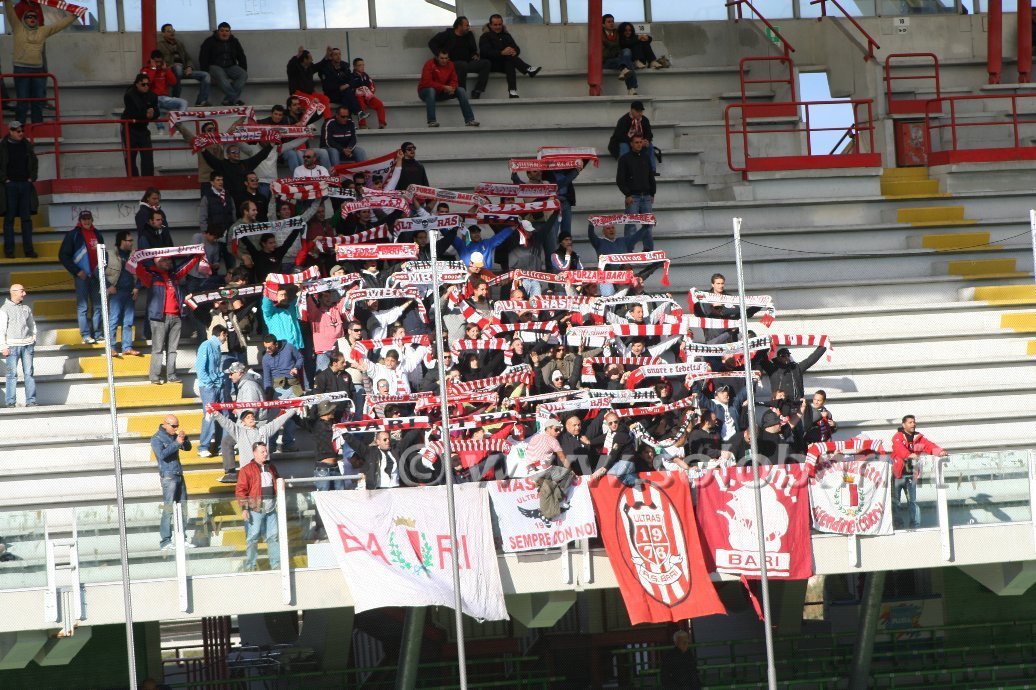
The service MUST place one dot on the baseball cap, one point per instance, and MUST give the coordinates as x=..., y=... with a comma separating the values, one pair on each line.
x=638, y=106
x=557, y=375
x=551, y=421
x=325, y=408
x=85, y=214
x=770, y=418
x=477, y=259
x=14, y=124
x=236, y=368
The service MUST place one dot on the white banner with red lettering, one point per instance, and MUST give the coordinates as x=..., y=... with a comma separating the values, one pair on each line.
x=394, y=548
x=516, y=503
x=852, y=497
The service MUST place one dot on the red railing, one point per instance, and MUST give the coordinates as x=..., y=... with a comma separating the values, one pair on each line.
x=785, y=108
x=871, y=43
x=122, y=148
x=1013, y=148
x=859, y=153
x=45, y=129
x=901, y=106
x=788, y=49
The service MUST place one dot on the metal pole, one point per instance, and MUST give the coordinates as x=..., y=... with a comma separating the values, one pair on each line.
x=870, y=610
x=410, y=652
x=433, y=238
x=764, y=580
x=120, y=497
x=1032, y=229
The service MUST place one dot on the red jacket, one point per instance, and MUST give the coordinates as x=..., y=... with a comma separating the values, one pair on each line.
x=249, y=489
x=436, y=76
x=161, y=79
x=903, y=446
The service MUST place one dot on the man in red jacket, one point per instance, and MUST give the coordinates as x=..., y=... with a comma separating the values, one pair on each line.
x=439, y=83
x=256, y=491
x=163, y=79
x=907, y=445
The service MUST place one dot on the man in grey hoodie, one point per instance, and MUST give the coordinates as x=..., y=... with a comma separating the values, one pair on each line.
x=247, y=431
x=248, y=387
x=17, y=340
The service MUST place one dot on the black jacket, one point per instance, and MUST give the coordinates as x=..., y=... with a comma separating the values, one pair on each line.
x=333, y=78
x=412, y=173
x=264, y=264
x=234, y=174
x=323, y=440
x=327, y=381
x=367, y=459
x=219, y=212
x=461, y=48
x=136, y=105
x=300, y=78
x=789, y=378
x=34, y=163
x=222, y=53
x=620, y=135
x=634, y=175
x=491, y=44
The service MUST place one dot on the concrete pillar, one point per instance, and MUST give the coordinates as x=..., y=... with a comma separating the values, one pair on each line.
x=789, y=599
x=59, y=651
x=148, y=29
x=540, y=609
x=870, y=611
x=268, y=628
x=410, y=647
x=17, y=649
x=329, y=632
x=1005, y=579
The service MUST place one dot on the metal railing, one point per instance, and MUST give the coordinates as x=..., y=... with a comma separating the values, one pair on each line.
x=780, y=109
x=55, y=99
x=871, y=43
x=953, y=136
x=861, y=132
x=736, y=4
x=900, y=106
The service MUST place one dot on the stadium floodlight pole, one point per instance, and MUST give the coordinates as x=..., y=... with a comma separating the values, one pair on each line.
x=462, y=672
x=764, y=580
x=120, y=495
x=1032, y=229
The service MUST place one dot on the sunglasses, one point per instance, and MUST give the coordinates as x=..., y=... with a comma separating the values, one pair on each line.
x=410, y=148
x=173, y=426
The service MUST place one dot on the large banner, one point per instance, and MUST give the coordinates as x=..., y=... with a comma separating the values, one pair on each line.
x=651, y=538
x=726, y=501
x=516, y=503
x=394, y=548
x=852, y=497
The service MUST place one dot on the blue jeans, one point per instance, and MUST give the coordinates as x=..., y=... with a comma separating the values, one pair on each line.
x=19, y=205
x=202, y=78
x=336, y=156
x=625, y=148
x=289, y=427
x=173, y=491
x=23, y=354
x=641, y=204
x=88, y=307
x=170, y=103
x=209, y=428
x=230, y=80
x=324, y=360
x=323, y=470
x=625, y=60
x=121, y=311
x=29, y=87
x=624, y=470
x=430, y=96
x=906, y=485
x=359, y=399
x=263, y=525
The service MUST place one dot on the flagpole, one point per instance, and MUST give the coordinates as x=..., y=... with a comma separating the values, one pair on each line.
x=764, y=580
x=447, y=463
x=1032, y=228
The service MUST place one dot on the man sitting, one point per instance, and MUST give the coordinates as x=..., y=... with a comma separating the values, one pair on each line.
x=500, y=48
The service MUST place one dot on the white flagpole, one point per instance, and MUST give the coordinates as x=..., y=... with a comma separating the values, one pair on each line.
x=120, y=496
x=764, y=581
x=1032, y=228
x=447, y=463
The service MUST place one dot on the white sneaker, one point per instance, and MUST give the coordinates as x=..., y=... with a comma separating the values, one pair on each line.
x=512, y=94
x=631, y=92
x=167, y=547
x=639, y=64
x=204, y=453
x=622, y=73
x=189, y=545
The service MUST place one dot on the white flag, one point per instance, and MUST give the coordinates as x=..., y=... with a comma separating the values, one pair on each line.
x=516, y=503
x=393, y=547
x=852, y=497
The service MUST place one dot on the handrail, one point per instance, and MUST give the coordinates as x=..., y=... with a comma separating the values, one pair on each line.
x=871, y=43
x=909, y=105
x=56, y=98
x=790, y=81
x=850, y=132
x=788, y=49
x=1012, y=149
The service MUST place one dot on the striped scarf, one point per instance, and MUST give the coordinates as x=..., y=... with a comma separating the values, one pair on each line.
x=657, y=410
x=379, y=294
x=587, y=373
x=421, y=192
x=287, y=403
x=802, y=340
x=467, y=310
x=623, y=219
x=132, y=263
x=664, y=371
x=378, y=232
x=375, y=200
x=516, y=209
x=548, y=327
x=463, y=344
x=427, y=223
x=308, y=190
x=431, y=452
x=375, y=252
x=424, y=278
x=178, y=116
x=241, y=135
x=637, y=259
x=280, y=228
x=763, y=302
x=194, y=301
x=522, y=373
x=518, y=191
x=323, y=285
x=726, y=349
x=431, y=401
x=851, y=446
x=361, y=348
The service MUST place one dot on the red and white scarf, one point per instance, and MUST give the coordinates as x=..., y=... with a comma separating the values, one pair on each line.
x=379, y=294
x=568, y=277
x=378, y=232
x=623, y=219
x=178, y=116
x=467, y=310
x=517, y=191
x=340, y=283
x=432, y=402
x=361, y=348
x=274, y=281
x=375, y=200
x=463, y=344
x=280, y=228
x=849, y=447
x=424, y=279
x=763, y=302
x=431, y=452
x=587, y=373
x=287, y=403
x=526, y=164
x=194, y=301
x=428, y=223
x=241, y=135
x=588, y=335
x=726, y=349
x=307, y=190
x=801, y=340
x=657, y=410
x=548, y=327
x=497, y=211
x=162, y=252
x=312, y=106
x=522, y=374
x=77, y=10
x=376, y=252
x=569, y=303
x=664, y=371
x=637, y=259
x=415, y=191
x=363, y=426
x=382, y=165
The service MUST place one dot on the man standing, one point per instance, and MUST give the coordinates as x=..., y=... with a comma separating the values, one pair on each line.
x=17, y=341
x=459, y=43
x=282, y=319
x=628, y=126
x=439, y=83
x=325, y=456
x=338, y=138
x=179, y=60
x=377, y=462
x=680, y=664
x=256, y=491
x=211, y=381
x=908, y=445
x=216, y=207
x=786, y=374
x=78, y=254
x=166, y=444
x=19, y=168
x=501, y=50
x=413, y=171
x=235, y=169
x=282, y=379
x=140, y=108
x=636, y=181
x=165, y=297
x=248, y=387
x=122, y=293
x=223, y=57
x=30, y=37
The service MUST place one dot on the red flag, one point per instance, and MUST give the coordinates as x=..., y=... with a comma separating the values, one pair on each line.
x=727, y=500
x=652, y=543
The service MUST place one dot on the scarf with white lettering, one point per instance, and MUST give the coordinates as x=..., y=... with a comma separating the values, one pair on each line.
x=320, y=285
x=498, y=211
x=726, y=349
x=763, y=302
x=623, y=219
x=361, y=348
x=376, y=252
x=423, y=279
x=274, y=281
x=657, y=410
x=428, y=223
x=548, y=327
x=132, y=263
x=517, y=191
x=178, y=116
x=587, y=373
x=637, y=259
x=566, y=278
x=522, y=374
x=379, y=294
x=280, y=228
x=423, y=193
x=287, y=403
x=194, y=301
x=431, y=401
x=241, y=135
x=664, y=371
x=375, y=200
